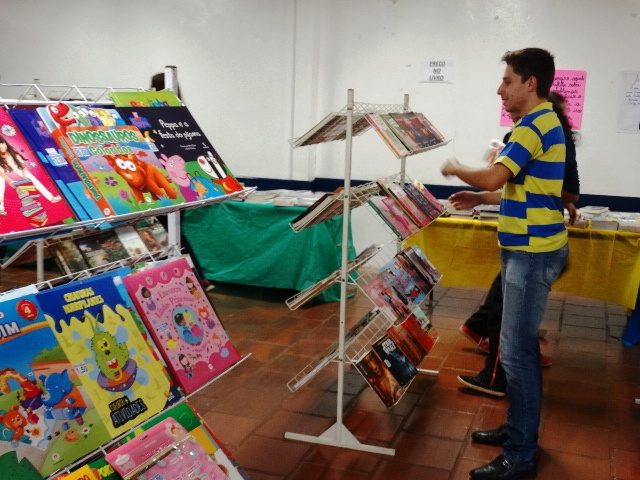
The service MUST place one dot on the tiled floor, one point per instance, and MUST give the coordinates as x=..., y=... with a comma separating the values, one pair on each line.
x=590, y=424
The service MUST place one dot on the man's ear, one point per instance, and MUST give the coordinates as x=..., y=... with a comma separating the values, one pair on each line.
x=532, y=84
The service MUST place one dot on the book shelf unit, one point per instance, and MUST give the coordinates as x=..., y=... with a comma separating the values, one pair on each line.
x=351, y=345
x=38, y=238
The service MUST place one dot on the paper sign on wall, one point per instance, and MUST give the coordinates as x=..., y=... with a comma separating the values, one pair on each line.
x=570, y=84
x=629, y=102
x=436, y=71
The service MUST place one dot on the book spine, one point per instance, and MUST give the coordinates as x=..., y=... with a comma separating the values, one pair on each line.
x=421, y=201
x=377, y=209
x=396, y=192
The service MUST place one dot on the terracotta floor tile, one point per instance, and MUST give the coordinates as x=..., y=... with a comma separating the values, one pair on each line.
x=575, y=439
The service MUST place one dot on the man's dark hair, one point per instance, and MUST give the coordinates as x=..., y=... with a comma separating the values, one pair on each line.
x=533, y=62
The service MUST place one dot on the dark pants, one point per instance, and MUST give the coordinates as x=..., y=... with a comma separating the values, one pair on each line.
x=487, y=321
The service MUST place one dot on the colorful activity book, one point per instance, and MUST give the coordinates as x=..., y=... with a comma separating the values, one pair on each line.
x=164, y=451
x=114, y=161
x=183, y=322
x=98, y=332
x=184, y=414
x=144, y=98
x=28, y=197
x=46, y=416
x=184, y=150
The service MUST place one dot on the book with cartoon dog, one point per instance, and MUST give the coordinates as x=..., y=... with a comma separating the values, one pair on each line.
x=182, y=322
x=98, y=331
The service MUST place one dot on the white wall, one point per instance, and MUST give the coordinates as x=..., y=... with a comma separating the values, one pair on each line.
x=252, y=87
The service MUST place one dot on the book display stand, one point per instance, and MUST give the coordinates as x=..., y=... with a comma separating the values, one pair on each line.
x=36, y=239
x=352, y=345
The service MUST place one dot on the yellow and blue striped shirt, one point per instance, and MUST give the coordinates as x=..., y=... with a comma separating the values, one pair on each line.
x=531, y=211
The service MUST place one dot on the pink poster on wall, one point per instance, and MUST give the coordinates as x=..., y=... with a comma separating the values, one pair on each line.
x=570, y=84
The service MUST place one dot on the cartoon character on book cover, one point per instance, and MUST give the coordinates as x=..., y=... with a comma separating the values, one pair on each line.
x=182, y=321
x=116, y=158
x=28, y=197
x=97, y=330
x=46, y=415
x=185, y=151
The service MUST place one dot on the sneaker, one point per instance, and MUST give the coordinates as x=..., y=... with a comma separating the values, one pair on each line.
x=482, y=343
x=478, y=384
x=545, y=361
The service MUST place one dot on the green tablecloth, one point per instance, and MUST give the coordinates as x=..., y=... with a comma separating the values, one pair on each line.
x=253, y=244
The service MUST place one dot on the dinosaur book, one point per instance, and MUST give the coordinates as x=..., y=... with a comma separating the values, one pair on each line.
x=118, y=167
x=182, y=321
x=98, y=332
x=46, y=416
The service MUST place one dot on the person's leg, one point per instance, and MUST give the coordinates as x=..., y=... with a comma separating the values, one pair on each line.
x=477, y=322
x=527, y=279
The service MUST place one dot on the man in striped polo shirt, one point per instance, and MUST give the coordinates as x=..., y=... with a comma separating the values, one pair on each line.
x=534, y=249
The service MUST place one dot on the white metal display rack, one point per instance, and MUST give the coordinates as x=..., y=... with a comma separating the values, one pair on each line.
x=338, y=434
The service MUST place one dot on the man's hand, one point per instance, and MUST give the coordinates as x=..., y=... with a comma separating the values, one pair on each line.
x=573, y=212
x=450, y=167
x=464, y=200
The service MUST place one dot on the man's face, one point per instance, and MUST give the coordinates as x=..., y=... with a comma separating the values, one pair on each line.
x=514, y=93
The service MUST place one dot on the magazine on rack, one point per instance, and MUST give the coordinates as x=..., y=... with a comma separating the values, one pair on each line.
x=331, y=205
x=414, y=130
x=330, y=128
x=319, y=287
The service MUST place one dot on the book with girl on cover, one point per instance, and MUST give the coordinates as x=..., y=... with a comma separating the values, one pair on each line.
x=98, y=331
x=29, y=199
x=182, y=322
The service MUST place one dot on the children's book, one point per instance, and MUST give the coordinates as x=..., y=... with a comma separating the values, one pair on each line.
x=46, y=415
x=37, y=134
x=395, y=360
x=123, y=171
x=184, y=150
x=99, y=334
x=183, y=322
x=164, y=451
x=186, y=416
x=380, y=378
x=143, y=98
x=28, y=197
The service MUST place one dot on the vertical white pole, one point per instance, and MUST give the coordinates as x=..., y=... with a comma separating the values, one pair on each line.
x=173, y=219
x=345, y=259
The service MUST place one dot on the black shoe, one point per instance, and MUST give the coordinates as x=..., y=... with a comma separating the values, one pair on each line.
x=491, y=437
x=479, y=384
x=503, y=469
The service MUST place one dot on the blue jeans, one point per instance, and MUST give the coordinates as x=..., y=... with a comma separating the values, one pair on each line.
x=526, y=281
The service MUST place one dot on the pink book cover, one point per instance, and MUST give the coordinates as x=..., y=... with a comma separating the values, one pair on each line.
x=28, y=197
x=165, y=451
x=182, y=322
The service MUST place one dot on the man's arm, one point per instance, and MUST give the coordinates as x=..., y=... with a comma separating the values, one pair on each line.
x=467, y=199
x=491, y=177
